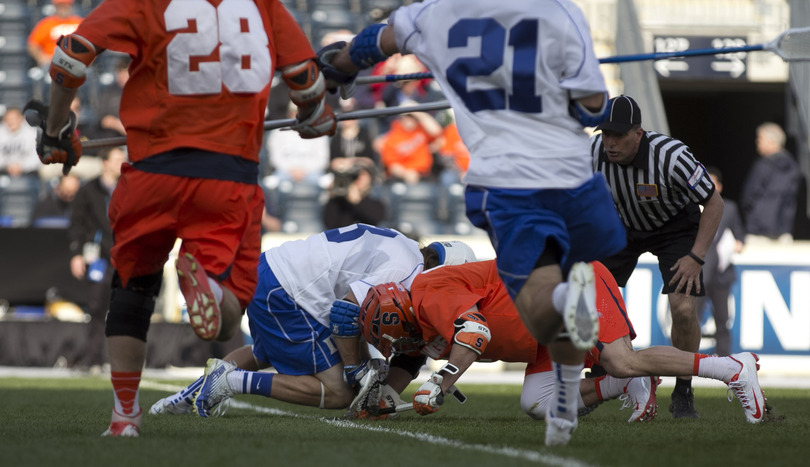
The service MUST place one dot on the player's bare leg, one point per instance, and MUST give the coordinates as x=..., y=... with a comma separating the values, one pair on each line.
x=685, y=336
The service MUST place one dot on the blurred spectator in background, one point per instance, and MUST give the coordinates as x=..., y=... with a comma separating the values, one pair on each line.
x=91, y=238
x=406, y=148
x=297, y=159
x=109, y=102
x=271, y=217
x=18, y=141
x=719, y=273
x=42, y=42
x=453, y=154
x=352, y=144
x=58, y=201
x=769, y=195
x=350, y=199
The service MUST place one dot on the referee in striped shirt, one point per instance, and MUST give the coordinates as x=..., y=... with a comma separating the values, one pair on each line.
x=657, y=187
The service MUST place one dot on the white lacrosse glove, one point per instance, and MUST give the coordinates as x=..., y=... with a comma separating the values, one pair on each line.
x=429, y=398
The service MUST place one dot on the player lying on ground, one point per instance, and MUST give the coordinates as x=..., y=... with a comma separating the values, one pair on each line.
x=463, y=314
x=289, y=317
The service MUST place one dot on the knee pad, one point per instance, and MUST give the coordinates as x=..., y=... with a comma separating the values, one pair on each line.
x=131, y=307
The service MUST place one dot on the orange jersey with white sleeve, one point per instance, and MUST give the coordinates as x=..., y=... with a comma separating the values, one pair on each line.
x=440, y=295
x=201, y=69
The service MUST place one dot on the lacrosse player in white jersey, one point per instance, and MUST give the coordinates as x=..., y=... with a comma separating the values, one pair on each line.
x=306, y=295
x=523, y=81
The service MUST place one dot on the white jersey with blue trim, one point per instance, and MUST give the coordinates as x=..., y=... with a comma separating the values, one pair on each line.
x=324, y=267
x=510, y=69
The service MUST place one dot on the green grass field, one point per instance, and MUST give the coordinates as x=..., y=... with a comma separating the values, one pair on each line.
x=57, y=422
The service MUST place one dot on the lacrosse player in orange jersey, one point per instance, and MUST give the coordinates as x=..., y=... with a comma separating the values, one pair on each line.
x=193, y=109
x=463, y=314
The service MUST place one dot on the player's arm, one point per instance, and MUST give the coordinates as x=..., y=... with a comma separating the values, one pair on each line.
x=307, y=90
x=68, y=71
x=470, y=339
x=590, y=110
x=344, y=324
x=340, y=62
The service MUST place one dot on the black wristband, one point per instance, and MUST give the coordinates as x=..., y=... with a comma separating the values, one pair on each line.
x=696, y=258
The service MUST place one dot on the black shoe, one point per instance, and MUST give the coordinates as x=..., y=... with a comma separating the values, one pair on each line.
x=683, y=404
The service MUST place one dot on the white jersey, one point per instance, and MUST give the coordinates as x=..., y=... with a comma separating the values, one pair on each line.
x=325, y=267
x=510, y=69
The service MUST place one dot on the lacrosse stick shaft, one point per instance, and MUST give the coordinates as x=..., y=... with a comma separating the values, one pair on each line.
x=396, y=408
x=274, y=124
x=774, y=46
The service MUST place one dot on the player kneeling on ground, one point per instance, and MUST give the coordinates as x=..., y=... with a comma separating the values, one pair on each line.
x=464, y=314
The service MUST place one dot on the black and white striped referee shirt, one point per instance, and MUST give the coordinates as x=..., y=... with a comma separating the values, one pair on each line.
x=663, y=179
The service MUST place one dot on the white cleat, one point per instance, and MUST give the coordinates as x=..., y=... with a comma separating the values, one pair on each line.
x=580, y=315
x=559, y=430
x=166, y=406
x=640, y=395
x=745, y=385
x=215, y=389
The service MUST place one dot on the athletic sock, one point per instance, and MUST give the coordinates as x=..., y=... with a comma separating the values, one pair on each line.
x=722, y=368
x=185, y=398
x=251, y=382
x=608, y=387
x=216, y=289
x=559, y=295
x=125, y=391
x=566, y=390
x=683, y=386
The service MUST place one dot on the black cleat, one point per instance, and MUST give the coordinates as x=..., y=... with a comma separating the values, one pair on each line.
x=683, y=404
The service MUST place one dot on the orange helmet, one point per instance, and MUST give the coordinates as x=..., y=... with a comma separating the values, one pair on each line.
x=388, y=321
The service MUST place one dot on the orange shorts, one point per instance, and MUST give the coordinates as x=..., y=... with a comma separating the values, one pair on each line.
x=219, y=222
x=613, y=322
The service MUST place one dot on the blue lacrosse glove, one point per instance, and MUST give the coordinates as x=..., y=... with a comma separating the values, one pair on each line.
x=344, y=319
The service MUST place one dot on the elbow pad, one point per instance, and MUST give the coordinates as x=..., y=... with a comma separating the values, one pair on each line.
x=306, y=83
x=365, y=50
x=472, y=332
x=72, y=56
x=589, y=118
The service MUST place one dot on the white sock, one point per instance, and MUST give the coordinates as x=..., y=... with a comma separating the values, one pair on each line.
x=722, y=368
x=216, y=289
x=236, y=381
x=566, y=390
x=611, y=388
x=559, y=296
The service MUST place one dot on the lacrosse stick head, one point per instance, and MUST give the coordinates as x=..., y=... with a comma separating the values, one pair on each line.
x=792, y=45
x=388, y=322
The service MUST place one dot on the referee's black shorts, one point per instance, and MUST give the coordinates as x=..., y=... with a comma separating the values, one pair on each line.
x=669, y=243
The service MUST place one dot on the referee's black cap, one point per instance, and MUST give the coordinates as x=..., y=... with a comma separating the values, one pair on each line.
x=624, y=115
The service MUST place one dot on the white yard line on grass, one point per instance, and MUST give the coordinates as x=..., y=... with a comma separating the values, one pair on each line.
x=533, y=456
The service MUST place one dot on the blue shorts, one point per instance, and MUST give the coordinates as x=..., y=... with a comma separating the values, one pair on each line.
x=284, y=335
x=582, y=222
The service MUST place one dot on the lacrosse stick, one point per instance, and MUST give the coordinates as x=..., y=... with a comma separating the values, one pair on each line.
x=454, y=391
x=792, y=45
x=274, y=124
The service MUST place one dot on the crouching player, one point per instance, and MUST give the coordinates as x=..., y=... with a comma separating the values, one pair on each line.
x=290, y=321
x=464, y=314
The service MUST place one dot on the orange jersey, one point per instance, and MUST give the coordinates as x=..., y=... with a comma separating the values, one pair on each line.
x=454, y=147
x=48, y=30
x=441, y=294
x=408, y=148
x=201, y=70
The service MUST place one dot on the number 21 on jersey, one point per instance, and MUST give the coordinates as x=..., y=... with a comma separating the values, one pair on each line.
x=522, y=39
x=235, y=27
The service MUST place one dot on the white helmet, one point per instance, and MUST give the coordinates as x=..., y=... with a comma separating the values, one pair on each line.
x=453, y=253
